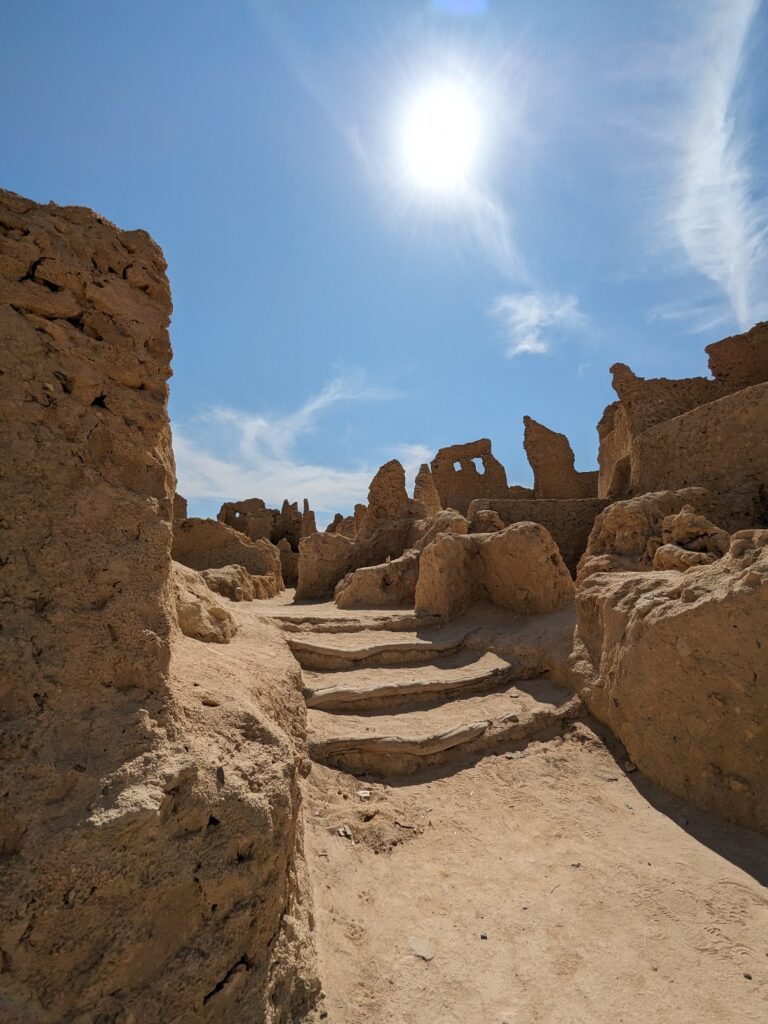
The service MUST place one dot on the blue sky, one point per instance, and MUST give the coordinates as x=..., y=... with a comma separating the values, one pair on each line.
x=329, y=312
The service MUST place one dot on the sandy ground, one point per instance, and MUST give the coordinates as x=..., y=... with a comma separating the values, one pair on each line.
x=544, y=885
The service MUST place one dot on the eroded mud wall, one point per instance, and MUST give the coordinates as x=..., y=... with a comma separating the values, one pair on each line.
x=127, y=823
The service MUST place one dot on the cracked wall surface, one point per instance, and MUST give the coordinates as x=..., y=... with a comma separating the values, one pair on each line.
x=152, y=865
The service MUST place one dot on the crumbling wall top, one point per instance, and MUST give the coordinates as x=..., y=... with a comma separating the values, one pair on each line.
x=388, y=499
x=741, y=360
x=425, y=493
x=647, y=402
x=551, y=458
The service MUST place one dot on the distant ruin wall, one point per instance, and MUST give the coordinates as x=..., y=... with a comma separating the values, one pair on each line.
x=551, y=458
x=722, y=446
x=737, y=362
x=110, y=866
x=252, y=518
x=210, y=544
x=568, y=520
x=458, y=487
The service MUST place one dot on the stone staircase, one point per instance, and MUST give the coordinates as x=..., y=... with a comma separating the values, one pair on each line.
x=392, y=701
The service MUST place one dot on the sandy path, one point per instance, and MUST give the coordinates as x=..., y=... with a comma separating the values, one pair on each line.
x=603, y=900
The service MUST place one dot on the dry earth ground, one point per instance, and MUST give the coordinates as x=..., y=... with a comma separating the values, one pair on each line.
x=543, y=885
x=602, y=899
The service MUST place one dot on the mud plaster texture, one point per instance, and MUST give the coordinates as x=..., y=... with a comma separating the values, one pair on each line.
x=390, y=585
x=518, y=568
x=198, y=612
x=237, y=584
x=569, y=520
x=627, y=533
x=152, y=845
x=209, y=544
x=676, y=664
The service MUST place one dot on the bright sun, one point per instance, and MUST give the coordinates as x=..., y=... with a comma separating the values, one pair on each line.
x=441, y=136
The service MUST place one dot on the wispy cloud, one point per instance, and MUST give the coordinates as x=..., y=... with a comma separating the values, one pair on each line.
x=491, y=224
x=227, y=454
x=698, y=317
x=721, y=226
x=204, y=474
x=276, y=435
x=532, y=319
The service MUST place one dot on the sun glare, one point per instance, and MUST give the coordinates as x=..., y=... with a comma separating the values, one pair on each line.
x=441, y=137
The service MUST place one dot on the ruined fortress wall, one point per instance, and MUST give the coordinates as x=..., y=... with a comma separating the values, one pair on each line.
x=736, y=363
x=551, y=458
x=110, y=872
x=236, y=513
x=568, y=520
x=647, y=402
x=643, y=404
x=458, y=487
x=722, y=446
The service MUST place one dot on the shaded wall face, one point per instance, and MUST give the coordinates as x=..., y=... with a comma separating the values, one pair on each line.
x=613, y=453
